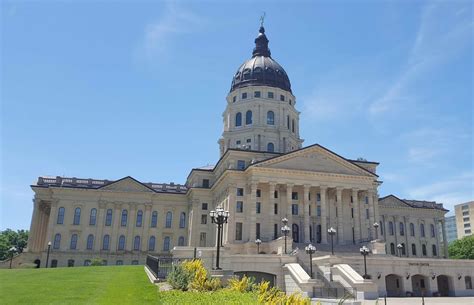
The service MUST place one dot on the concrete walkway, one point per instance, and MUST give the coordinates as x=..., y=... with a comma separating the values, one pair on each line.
x=428, y=301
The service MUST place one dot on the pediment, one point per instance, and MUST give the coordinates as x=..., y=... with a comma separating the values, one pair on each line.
x=127, y=184
x=393, y=202
x=315, y=159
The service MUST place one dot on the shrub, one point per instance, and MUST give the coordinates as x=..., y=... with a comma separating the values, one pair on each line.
x=179, y=277
x=245, y=284
x=276, y=296
x=96, y=262
x=192, y=275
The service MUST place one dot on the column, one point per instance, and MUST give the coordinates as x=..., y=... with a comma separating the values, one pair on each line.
x=270, y=205
x=231, y=221
x=251, y=206
x=340, y=217
x=306, y=203
x=51, y=220
x=33, y=227
x=371, y=214
x=117, y=214
x=445, y=239
x=407, y=248
x=355, y=204
x=132, y=216
x=289, y=202
x=99, y=225
x=146, y=227
x=324, y=226
x=376, y=207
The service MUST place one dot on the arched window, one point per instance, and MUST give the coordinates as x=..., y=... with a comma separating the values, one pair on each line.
x=270, y=118
x=139, y=218
x=422, y=230
x=402, y=229
x=77, y=216
x=238, y=119
x=248, y=117
x=390, y=227
x=60, y=220
x=270, y=147
x=154, y=219
x=432, y=228
x=108, y=218
x=381, y=228
x=412, y=229
x=136, y=243
x=169, y=217
x=57, y=241
x=423, y=250
x=293, y=125
x=90, y=242
x=434, y=250
x=403, y=249
x=166, y=244
x=181, y=241
x=392, y=248
x=182, y=220
x=73, y=244
x=124, y=218
x=106, y=242
x=413, y=249
x=151, y=243
x=121, y=244
x=93, y=217
x=288, y=122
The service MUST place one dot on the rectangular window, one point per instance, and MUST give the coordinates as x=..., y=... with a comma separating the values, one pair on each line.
x=352, y=199
x=318, y=197
x=202, y=239
x=366, y=200
x=294, y=195
x=467, y=225
x=275, y=231
x=258, y=207
x=275, y=209
x=465, y=219
x=237, y=142
x=464, y=207
x=256, y=94
x=238, y=231
x=282, y=97
x=257, y=231
x=205, y=183
x=204, y=206
x=336, y=211
x=309, y=210
x=244, y=95
x=259, y=193
x=234, y=98
x=249, y=140
x=288, y=122
x=318, y=210
x=275, y=194
x=465, y=213
x=352, y=212
x=240, y=191
x=241, y=164
x=204, y=219
x=294, y=209
x=367, y=213
x=270, y=94
x=239, y=207
x=468, y=231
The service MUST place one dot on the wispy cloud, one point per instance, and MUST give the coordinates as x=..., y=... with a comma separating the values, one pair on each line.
x=441, y=34
x=160, y=34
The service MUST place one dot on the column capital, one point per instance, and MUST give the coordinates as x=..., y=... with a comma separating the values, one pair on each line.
x=290, y=185
x=323, y=187
x=355, y=190
x=306, y=187
x=272, y=183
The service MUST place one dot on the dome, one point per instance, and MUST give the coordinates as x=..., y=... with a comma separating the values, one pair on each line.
x=261, y=69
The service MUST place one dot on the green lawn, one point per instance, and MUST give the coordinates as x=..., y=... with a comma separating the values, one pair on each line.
x=99, y=285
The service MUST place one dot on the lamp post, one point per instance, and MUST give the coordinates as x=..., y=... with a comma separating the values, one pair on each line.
x=12, y=250
x=376, y=227
x=285, y=229
x=219, y=217
x=399, y=247
x=258, y=242
x=47, y=256
x=310, y=249
x=331, y=232
x=364, y=251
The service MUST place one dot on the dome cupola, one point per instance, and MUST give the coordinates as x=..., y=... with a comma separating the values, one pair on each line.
x=261, y=69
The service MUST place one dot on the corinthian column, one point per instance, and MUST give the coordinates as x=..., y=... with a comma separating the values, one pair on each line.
x=306, y=212
x=324, y=226
x=355, y=203
x=289, y=202
x=32, y=238
x=271, y=208
x=252, y=206
x=340, y=217
x=371, y=213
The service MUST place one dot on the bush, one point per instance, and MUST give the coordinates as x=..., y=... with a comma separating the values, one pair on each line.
x=96, y=262
x=179, y=277
x=276, y=296
x=192, y=275
x=245, y=284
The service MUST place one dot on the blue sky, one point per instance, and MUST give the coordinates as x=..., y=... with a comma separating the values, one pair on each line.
x=108, y=89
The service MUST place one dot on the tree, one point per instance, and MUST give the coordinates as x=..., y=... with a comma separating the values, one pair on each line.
x=462, y=248
x=9, y=239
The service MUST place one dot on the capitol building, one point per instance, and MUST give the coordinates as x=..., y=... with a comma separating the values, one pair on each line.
x=265, y=173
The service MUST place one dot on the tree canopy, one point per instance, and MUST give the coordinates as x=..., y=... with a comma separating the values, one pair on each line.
x=462, y=248
x=9, y=239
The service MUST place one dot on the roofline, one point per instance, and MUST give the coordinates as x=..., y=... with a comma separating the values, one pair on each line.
x=363, y=161
x=411, y=205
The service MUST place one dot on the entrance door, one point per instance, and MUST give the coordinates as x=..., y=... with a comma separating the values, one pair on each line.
x=296, y=234
x=443, y=285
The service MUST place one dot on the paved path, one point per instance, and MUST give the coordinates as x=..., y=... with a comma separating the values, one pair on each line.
x=428, y=301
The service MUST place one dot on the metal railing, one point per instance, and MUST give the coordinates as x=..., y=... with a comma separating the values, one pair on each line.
x=161, y=266
x=334, y=293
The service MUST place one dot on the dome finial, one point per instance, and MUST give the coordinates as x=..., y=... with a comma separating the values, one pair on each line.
x=262, y=19
x=261, y=42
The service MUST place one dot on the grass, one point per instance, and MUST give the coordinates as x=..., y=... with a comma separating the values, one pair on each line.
x=99, y=285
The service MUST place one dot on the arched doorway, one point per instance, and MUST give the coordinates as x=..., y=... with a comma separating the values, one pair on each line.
x=258, y=276
x=444, y=285
x=37, y=262
x=295, y=233
x=394, y=285
x=420, y=284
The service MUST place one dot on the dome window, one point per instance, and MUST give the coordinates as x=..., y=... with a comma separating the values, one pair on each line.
x=256, y=94
x=270, y=147
x=282, y=97
x=258, y=73
x=234, y=98
x=270, y=118
x=246, y=74
x=248, y=117
x=238, y=119
x=270, y=95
